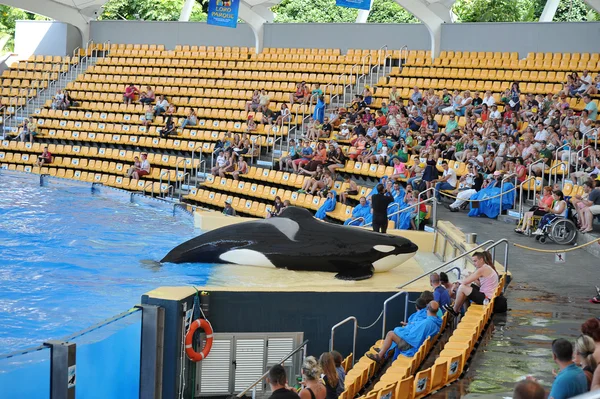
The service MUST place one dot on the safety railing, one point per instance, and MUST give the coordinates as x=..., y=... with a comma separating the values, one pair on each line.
x=165, y=173
x=556, y=160
x=464, y=254
x=579, y=156
x=540, y=162
x=521, y=196
x=355, y=331
x=384, y=311
x=492, y=249
x=505, y=179
x=410, y=209
x=554, y=172
x=297, y=349
x=403, y=50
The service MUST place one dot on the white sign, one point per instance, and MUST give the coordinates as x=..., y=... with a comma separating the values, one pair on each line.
x=71, y=377
x=559, y=257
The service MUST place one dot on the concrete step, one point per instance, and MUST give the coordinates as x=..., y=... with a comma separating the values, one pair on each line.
x=508, y=219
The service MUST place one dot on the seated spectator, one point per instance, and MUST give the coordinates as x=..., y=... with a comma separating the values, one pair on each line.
x=587, y=206
x=400, y=171
x=300, y=95
x=339, y=359
x=190, y=120
x=445, y=282
x=219, y=163
x=312, y=387
x=344, y=133
x=279, y=385
x=242, y=168
x=263, y=100
x=591, y=328
x=316, y=176
x=251, y=124
x=254, y=103
x=161, y=105
x=544, y=204
x=570, y=380
x=148, y=96
x=420, y=314
x=584, y=356
x=440, y=293
x=243, y=148
x=148, y=115
x=408, y=339
x=468, y=185
x=28, y=129
x=333, y=385
x=419, y=212
x=367, y=95
x=306, y=156
x=487, y=279
x=558, y=209
x=59, y=100
x=228, y=210
x=45, y=158
x=285, y=162
x=283, y=116
x=529, y=389
x=268, y=116
x=169, y=127
x=394, y=95
x=351, y=190
x=335, y=159
x=447, y=182
x=229, y=165
x=136, y=166
x=277, y=207
x=144, y=168
x=130, y=92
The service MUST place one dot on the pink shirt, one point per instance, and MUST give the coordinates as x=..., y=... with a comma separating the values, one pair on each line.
x=489, y=284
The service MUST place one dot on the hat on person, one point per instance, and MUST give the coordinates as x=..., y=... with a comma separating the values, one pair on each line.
x=497, y=173
x=250, y=116
x=228, y=201
x=344, y=124
x=422, y=165
x=367, y=109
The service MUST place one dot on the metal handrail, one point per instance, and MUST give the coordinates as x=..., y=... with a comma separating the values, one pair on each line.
x=446, y=263
x=331, y=340
x=554, y=168
x=262, y=377
x=405, y=48
x=579, y=153
x=569, y=159
x=385, y=310
x=521, y=193
x=530, y=170
x=506, y=178
x=408, y=208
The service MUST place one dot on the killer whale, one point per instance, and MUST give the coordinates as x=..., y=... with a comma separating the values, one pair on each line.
x=295, y=240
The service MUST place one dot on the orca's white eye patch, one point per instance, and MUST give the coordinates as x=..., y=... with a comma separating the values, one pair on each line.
x=384, y=248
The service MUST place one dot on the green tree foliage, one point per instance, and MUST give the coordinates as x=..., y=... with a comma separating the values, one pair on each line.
x=492, y=10
x=324, y=11
x=150, y=10
x=8, y=18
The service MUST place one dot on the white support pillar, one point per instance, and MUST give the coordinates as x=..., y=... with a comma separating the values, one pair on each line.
x=253, y=16
x=549, y=10
x=363, y=15
x=595, y=4
x=186, y=10
x=430, y=19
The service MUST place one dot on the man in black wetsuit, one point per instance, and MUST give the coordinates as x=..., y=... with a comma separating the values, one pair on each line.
x=379, y=205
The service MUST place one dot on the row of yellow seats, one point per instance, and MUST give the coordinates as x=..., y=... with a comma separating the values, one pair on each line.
x=32, y=67
x=10, y=92
x=125, y=140
x=112, y=154
x=307, y=201
x=122, y=46
x=308, y=51
x=24, y=83
x=253, y=208
x=485, y=74
x=84, y=164
x=323, y=59
x=171, y=55
x=133, y=129
x=114, y=114
x=13, y=74
x=367, y=169
x=179, y=47
x=473, y=85
x=356, y=379
x=564, y=65
x=12, y=102
x=157, y=76
x=479, y=55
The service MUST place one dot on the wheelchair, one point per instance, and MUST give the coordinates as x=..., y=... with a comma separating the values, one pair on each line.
x=562, y=230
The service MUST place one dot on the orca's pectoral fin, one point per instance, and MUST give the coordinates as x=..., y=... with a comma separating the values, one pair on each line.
x=356, y=274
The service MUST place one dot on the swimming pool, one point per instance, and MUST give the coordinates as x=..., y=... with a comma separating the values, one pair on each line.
x=71, y=257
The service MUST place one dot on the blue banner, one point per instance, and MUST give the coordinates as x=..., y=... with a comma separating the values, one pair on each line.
x=360, y=4
x=223, y=12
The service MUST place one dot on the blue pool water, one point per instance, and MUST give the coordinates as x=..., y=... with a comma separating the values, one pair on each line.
x=70, y=258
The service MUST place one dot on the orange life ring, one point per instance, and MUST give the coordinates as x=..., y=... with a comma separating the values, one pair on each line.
x=189, y=350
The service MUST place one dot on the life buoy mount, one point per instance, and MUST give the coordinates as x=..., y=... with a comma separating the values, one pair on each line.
x=189, y=350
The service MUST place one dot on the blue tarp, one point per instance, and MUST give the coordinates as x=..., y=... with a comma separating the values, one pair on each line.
x=491, y=207
x=416, y=333
x=328, y=206
x=360, y=211
x=319, y=114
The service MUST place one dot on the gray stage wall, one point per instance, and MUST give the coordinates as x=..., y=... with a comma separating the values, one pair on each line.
x=170, y=33
x=45, y=38
x=520, y=37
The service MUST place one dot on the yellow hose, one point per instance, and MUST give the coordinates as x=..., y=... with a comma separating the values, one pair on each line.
x=552, y=251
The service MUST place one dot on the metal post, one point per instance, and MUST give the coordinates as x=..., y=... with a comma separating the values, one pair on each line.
x=151, y=362
x=62, y=369
x=331, y=341
x=385, y=310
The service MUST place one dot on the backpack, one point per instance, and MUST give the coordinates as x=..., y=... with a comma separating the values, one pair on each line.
x=500, y=304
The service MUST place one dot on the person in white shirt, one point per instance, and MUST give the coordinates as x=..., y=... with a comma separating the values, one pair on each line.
x=541, y=136
x=489, y=99
x=161, y=105
x=447, y=182
x=144, y=168
x=586, y=81
x=219, y=163
x=494, y=113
